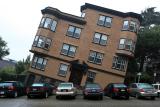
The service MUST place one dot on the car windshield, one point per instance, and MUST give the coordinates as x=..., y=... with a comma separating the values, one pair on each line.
x=145, y=85
x=38, y=85
x=6, y=84
x=119, y=85
x=92, y=86
x=65, y=85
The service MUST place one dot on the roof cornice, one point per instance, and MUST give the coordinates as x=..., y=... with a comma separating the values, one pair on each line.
x=65, y=16
x=110, y=11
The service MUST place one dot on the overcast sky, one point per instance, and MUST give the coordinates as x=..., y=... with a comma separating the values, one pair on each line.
x=19, y=19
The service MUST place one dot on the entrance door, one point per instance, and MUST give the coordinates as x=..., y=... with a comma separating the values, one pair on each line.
x=76, y=76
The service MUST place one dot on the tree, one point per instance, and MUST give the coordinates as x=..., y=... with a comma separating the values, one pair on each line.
x=4, y=51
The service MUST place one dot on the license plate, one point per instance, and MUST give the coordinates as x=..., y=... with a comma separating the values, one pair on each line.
x=122, y=90
x=34, y=89
x=1, y=92
x=93, y=90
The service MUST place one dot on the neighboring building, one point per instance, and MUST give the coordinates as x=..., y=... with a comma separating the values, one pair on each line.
x=95, y=47
x=7, y=63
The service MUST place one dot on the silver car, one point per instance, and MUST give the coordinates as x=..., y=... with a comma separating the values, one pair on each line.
x=66, y=89
x=139, y=90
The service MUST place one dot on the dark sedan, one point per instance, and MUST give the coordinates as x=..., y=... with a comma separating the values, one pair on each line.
x=40, y=90
x=116, y=90
x=92, y=90
x=12, y=89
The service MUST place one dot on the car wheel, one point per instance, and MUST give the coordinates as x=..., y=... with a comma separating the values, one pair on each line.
x=137, y=96
x=127, y=97
x=28, y=96
x=15, y=94
x=57, y=97
x=84, y=97
x=152, y=98
x=46, y=95
x=101, y=97
x=112, y=96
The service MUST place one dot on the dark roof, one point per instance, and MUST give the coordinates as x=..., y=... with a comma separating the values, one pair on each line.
x=65, y=16
x=6, y=63
x=110, y=11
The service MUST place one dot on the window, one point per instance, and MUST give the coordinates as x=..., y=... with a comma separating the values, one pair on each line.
x=63, y=69
x=35, y=40
x=74, y=32
x=127, y=44
x=130, y=25
x=119, y=63
x=105, y=21
x=100, y=39
x=68, y=50
x=48, y=23
x=125, y=25
x=90, y=77
x=83, y=14
x=95, y=57
x=39, y=63
x=42, y=42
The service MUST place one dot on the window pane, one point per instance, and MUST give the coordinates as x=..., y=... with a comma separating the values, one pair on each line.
x=65, y=49
x=125, y=25
x=39, y=63
x=63, y=69
x=103, y=40
x=72, y=51
x=92, y=56
x=53, y=26
x=44, y=64
x=128, y=44
x=47, y=23
x=77, y=32
x=34, y=61
x=35, y=41
x=97, y=37
x=108, y=22
x=41, y=41
x=119, y=63
x=122, y=44
x=132, y=26
x=42, y=22
x=99, y=58
x=47, y=43
x=70, y=30
x=101, y=20
x=83, y=14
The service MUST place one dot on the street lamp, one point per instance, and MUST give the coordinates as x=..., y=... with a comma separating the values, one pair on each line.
x=139, y=75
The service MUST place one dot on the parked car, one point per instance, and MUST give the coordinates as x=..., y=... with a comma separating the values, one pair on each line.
x=40, y=90
x=92, y=90
x=139, y=90
x=157, y=87
x=66, y=89
x=116, y=90
x=12, y=89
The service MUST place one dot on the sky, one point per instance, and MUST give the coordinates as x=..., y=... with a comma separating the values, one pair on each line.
x=19, y=19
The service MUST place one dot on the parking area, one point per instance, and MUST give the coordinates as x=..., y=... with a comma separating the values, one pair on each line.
x=78, y=102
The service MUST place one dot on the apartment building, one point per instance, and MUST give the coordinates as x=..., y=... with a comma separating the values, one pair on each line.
x=95, y=47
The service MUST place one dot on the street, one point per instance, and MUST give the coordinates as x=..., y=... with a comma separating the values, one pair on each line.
x=78, y=102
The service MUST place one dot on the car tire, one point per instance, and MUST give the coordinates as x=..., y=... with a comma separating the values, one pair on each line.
x=28, y=96
x=127, y=97
x=152, y=98
x=137, y=96
x=15, y=94
x=112, y=96
x=84, y=97
x=57, y=97
x=46, y=95
x=100, y=97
